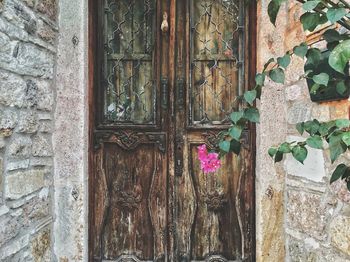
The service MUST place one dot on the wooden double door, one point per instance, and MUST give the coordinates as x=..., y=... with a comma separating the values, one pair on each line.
x=167, y=74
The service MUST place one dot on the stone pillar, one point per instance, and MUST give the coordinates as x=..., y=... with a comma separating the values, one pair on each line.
x=70, y=139
x=272, y=130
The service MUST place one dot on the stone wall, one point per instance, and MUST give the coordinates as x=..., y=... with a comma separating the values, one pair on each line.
x=300, y=217
x=28, y=30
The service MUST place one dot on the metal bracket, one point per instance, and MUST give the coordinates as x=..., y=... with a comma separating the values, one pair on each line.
x=164, y=85
x=180, y=87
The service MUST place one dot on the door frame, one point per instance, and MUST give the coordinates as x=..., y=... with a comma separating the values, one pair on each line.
x=93, y=68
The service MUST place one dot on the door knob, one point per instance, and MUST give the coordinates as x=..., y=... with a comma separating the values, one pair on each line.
x=165, y=25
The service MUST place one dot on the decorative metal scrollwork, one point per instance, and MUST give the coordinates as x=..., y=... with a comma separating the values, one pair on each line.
x=179, y=143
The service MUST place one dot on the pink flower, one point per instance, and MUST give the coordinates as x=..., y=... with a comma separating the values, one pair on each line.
x=209, y=162
x=202, y=152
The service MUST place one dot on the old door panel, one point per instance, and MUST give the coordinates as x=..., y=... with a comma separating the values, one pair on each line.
x=132, y=220
x=217, y=220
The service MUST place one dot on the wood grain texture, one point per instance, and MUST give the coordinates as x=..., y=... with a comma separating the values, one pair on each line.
x=149, y=200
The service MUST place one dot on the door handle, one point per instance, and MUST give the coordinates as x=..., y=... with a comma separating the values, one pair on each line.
x=164, y=85
x=165, y=25
x=180, y=87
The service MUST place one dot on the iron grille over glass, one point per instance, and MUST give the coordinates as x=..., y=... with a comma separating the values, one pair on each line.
x=216, y=73
x=128, y=70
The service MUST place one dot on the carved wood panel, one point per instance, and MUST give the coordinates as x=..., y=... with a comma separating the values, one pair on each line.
x=130, y=197
x=156, y=97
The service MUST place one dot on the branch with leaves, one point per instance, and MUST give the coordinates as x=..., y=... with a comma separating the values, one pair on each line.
x=323, y=69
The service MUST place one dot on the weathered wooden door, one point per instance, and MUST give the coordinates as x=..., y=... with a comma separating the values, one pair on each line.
x=157, y=95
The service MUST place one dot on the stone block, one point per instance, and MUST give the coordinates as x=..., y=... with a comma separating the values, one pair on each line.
x=28, y=122
x=13, y=247
x=22, y=183
x=30, y=60
x=13, y=31
x=20, y=147
x=45, y=96
x=4, y=210
x=12, y=89
x=40, y=247
x=298, y=251
x=23, y=164
x=307, y=213
x=299, y=112
x=9, y=228
x=339, y=109
x=321, y=112
x=48, y=7
x=41, y=146
x=8, y=119
x=340, y=234
x=294, y=92
x=313, y=167
x=340, y=189
x=46, y=32
x=5, y=46
x=45, y=126
x=36, y=209
x=29, y=3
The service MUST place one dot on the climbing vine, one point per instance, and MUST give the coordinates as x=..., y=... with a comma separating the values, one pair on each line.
x=332, y=75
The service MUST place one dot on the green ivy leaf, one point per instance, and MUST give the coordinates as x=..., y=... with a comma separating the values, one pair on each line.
x=315, y=142
x=278, y=156
x=299, y=153
x=277, y=75
x=312, y=127
x=272, y=151
x=311, y=20
x=326, y=127
x=340, y=56
x=341, y=88
x=235, y=146
x=310, y=5
x=236, y=132
x=321, y=79
x=314, y=88
x=336, y=147
x=301, y=50
x=332, y=35
x=260, y=79
x=273, y=9
x=346, y=138
x=225, y=146
x=335, y=14
x=285, y=148
x=300, y=128
x=252, y=114
x=250, y=96
x=284, y=61
x=236, y=116
x=338, y=173
x=314, y=57
x=342, y=123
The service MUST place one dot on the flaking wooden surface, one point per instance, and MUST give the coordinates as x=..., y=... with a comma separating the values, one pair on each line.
x=149, y=199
